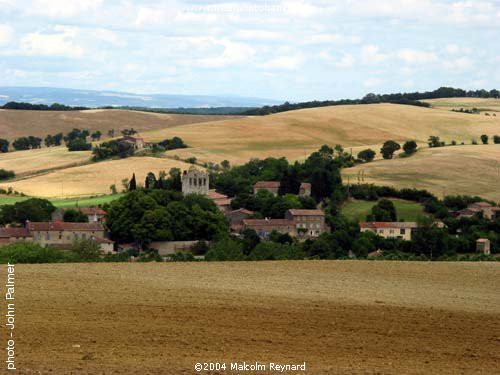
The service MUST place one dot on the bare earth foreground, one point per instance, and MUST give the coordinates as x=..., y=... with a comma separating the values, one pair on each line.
x=340, y=317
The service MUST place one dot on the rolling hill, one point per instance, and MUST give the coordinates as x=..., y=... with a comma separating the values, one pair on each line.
x=293, y=134
x=18, y=123
x=92, y=179
x=471, y=169
x=482, y=104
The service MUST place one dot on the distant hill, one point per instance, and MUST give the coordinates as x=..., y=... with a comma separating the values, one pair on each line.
x=94, y=99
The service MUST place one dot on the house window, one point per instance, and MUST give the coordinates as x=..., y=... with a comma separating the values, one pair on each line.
x=190, y=181
x=402, y=231
x=47, y=236
x=37, y=236
x=204, y=182
x=60, y=235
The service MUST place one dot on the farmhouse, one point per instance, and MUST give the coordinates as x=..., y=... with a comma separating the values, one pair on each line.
x=137, y=142
x=301, y=224
x=236, y=218
x=94, y=214
x=483, y=245
x=274, y=186
x=11, y=234
x=488, y=211
x=399, y=230
x=63, y=234
x=58, y=234
x=308, y=223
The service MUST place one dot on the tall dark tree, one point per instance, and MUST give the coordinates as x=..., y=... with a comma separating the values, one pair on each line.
x=384, y=210
x=132, y=184
x=4, y=145
x=484, y=139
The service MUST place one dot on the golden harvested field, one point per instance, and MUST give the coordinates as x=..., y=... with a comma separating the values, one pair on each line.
x=465, y=103
x=92, y=179
x=14, y=123
x=470, y=169
x=295, y=134
x=340, y=317
x=30, y=161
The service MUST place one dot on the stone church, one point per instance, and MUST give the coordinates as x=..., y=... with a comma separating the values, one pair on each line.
x=195, y=181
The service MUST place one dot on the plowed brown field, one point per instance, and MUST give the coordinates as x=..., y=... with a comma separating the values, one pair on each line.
x=349, y=317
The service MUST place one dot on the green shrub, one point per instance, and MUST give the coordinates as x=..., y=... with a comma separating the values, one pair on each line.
x=28, y=252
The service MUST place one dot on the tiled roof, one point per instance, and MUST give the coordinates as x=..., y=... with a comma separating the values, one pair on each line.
x=62, y=226
x=268, y=222
x=14, y=232
x=382, y=224
x=222, y=202
x=215, y=195
x=243, y=211
x=102, y=240
x=295, y=212
x=267, y=185
x=481, y=204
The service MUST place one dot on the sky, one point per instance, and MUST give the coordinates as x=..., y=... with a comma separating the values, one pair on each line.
x=285, y=50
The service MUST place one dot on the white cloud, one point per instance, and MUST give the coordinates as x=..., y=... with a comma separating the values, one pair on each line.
x=372, y=82
x=346, y=61
x=233, y=53
x=62, y=8
x=372, y=54
x=301, y=9
x=413, y=56
x=5, y=34
x=59, y=43
x=332, y=38
x=283, y=63
x=259, y=35
x=459, y=64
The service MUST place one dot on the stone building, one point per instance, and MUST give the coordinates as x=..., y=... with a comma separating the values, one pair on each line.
x=274, y=186
x=483, y=245
x=305, y=189
x=195, y=181
x=399, y=230
x=271, y=186
x=136, y=142
x=301, y=224
x=488, y=211
x=236, y=218
x=94, y=214
x=308, y=223
x=57, y=234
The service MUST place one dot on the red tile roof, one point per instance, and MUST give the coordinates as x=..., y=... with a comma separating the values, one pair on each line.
x=222, y=202
x=102, y=240
x=92, y=211
x=14, y=232
x=59, y=226
x=295, y=212
x=215, y=195
x=268, y=222
x=382, y=224
x=243, y=211
x=267, y=185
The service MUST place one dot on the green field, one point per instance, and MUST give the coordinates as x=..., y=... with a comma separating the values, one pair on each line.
x=358, y=210
x=65, y=203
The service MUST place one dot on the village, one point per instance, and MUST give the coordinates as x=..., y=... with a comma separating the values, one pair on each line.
x=299, y=224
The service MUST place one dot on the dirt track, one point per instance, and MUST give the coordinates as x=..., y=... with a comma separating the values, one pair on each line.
x=339, y=317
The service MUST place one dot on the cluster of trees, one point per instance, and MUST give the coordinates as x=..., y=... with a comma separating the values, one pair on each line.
x=113, y=148
x=142, y=216
x=5, y=174
x=435, y=141
x=388, y=149
x=76, y=140
x=321, y=169
x=41, y=107
x=398, y=98
x=53, y=140
x=27, y=143
x=172, y=144
x=33, y=209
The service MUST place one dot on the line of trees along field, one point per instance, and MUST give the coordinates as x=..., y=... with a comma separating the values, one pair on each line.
x=414, y=98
